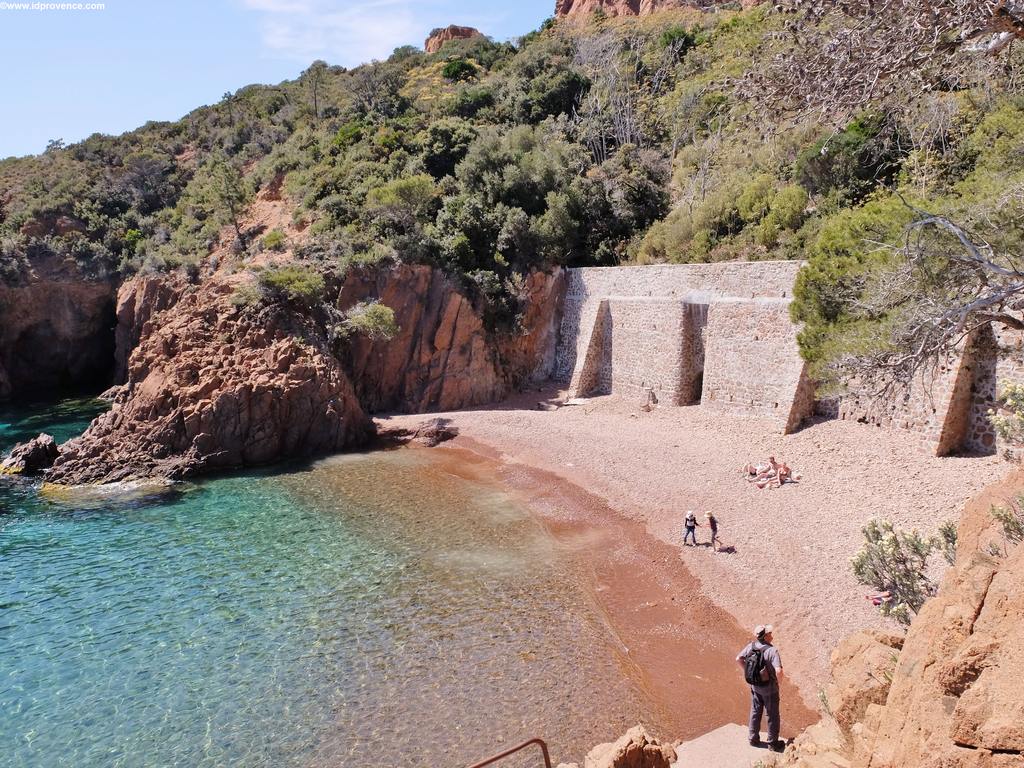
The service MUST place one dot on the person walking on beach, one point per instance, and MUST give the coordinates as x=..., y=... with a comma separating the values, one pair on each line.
x=713, y=525
x=762, y=669
x=690, y=524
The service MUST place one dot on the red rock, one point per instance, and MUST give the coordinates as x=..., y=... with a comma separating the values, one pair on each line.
x=442, y=35
x=32, y=457
x=584, y=8
x=158, y=428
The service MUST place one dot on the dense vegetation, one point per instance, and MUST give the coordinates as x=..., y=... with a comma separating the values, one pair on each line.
x=619, y=141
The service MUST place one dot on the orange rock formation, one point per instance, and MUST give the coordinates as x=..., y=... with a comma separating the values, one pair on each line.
x=442, y=35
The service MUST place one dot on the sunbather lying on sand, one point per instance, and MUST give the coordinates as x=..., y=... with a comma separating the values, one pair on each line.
x=773, y=474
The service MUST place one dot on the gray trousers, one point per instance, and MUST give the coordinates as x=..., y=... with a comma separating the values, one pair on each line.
x=764, y=698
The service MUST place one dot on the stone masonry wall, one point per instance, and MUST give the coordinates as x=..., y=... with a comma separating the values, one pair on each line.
x=718, y=334
x=697, y=283
x=753, y=364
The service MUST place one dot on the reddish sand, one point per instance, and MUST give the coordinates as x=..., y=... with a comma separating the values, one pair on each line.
x=788, y=549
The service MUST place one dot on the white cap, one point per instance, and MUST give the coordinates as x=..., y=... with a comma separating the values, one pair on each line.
x=763, y=629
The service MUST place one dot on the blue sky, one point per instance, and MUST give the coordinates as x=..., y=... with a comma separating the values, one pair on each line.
x=68, y=74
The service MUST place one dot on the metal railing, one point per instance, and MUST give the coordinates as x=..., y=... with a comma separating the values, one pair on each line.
x=495, y=758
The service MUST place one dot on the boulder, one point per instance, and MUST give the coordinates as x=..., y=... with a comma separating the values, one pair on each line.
x=32, y=457
x=861, y=669
x=442, y=35
x=635, y=749
x=435, y=432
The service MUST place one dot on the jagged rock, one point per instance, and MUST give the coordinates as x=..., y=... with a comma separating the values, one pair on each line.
x=32, y=457
x=635, y=749
x=435, y=432
x=955, y=697
x=584, y=8
x=862, y=667
x=444, y=358
x=138, y=301
x=442, y=35
x=210, y=387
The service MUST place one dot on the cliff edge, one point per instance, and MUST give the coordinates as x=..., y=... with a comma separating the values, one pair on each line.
x=949, y=693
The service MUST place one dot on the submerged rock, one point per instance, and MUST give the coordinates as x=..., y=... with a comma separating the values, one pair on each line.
x=32, y=457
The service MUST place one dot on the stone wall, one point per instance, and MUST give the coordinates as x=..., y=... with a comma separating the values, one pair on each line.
x=947, y=411
x=716, y=334
x=753, y=364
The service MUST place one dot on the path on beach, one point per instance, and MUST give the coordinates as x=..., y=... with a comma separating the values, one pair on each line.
x=792, y=546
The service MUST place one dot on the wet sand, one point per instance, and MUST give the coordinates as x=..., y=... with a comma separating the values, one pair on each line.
x=675, y=643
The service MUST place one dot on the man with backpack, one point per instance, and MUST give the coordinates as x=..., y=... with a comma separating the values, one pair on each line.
x=762, y=669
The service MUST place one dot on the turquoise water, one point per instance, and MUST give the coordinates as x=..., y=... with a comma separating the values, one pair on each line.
x=372, y=609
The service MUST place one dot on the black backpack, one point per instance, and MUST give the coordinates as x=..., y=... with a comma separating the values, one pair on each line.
x=753, y=667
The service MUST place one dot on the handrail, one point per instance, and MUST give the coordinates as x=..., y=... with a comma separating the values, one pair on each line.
x=507, y=752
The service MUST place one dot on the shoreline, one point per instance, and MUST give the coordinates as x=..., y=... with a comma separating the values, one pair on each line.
x=790, y=547
x=674, y=643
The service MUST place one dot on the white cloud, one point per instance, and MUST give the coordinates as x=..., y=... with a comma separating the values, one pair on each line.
x=356, y=31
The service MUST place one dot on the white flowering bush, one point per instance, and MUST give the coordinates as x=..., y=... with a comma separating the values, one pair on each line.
x=1008, y=418
x=895, y=563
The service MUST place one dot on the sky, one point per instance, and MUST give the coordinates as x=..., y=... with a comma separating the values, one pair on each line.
x=71, y=73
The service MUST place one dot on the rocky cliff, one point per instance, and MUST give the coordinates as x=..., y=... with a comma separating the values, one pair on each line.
x=442, y=35
x=949, y=693
x=214, y=386
x=584, y=8
x=443, y=357
x=56, y=332
x=208, y=385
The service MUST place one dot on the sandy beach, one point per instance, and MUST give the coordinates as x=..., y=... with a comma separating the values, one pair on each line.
x=787, y=549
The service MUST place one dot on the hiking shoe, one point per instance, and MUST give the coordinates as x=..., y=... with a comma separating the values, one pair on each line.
x=754, y=742
x=777, y=746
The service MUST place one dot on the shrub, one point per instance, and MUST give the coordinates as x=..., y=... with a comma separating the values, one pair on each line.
x=894, y=561
x=947, y=540
x=246, y=295
x=852, y=162
x=296, y=284
x=1008, y=420
x=350, y=133
x=275, y=240
x=458, y=69
x=1011, y=518
x=371, y=319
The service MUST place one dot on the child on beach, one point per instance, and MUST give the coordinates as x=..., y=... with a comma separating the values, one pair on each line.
x=713, y=524
x=690, y=524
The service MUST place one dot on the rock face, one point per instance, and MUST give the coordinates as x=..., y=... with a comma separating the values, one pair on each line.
x=955, y=694
x=209, y=387
x=138, y=301
x=56, y=332
x=442, y=35
x=584, y=8
x=443, y=357
x=32, y=457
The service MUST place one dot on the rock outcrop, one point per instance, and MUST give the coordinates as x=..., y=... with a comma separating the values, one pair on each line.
x=56, y=332
x=635, y=749
x=32, y=457
x=442, y=35
x=584, y=8
x=212, y=386
x=443, y=357
x=953, y=698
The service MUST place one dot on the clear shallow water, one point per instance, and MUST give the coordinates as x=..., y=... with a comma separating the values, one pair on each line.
x=366, y=610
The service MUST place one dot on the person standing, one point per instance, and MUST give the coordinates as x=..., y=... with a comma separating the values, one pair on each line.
x=713, y=525
x=762, y=668
x=690, y=524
